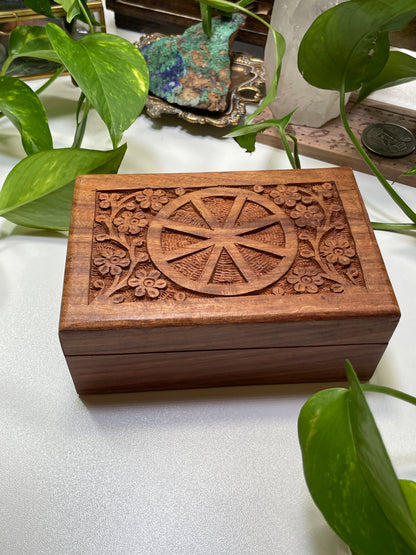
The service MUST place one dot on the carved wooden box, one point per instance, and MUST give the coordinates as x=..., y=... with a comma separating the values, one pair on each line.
x=214, y=279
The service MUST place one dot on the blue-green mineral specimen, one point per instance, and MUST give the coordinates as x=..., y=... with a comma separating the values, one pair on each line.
x=193, y=69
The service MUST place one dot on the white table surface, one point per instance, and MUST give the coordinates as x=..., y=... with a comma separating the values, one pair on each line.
x=199, y=472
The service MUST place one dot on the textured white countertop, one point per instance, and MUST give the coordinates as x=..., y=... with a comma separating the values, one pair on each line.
x=200, y=472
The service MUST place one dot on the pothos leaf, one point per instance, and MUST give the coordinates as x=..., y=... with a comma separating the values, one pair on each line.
x=26, y=112
x=31, y=40
x=246, y=135
x=40, y=6
x=38, y=191
x=110, y=71
x=409, y=491
x=71, y=7
x=400, y=68
x=348, y=44
x=334, y=468
x=78, y=9
x=375, y=463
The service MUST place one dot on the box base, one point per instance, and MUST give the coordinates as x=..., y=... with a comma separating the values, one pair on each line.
x=97, y=374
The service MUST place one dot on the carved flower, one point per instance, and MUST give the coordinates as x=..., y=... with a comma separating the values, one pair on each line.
x=149, y=198
x=338, y=251
x=307, y=215
x=131, y=205
x=278, y=290
x=147, y=283
x=180, y=191
x=284, y=195
x=258, y=188
x=324, y=188
x=104, y=199
x=130, y=222
x=111, y=261
x=305, y=280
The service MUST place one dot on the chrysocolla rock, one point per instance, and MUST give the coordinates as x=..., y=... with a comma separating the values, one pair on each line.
x=193, y=69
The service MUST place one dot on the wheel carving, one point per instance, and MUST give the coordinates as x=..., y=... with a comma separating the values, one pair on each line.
x=222, y=241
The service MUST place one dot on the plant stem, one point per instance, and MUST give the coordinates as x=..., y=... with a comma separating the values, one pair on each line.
x=50, y=80
x=87, y=15
x=389, y=391
x=397, y=199
x=393, y=227
x=5, y=66
x=80, y=130
x=293, y=162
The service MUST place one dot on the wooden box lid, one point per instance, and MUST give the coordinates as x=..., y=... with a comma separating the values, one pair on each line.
x=164, y=263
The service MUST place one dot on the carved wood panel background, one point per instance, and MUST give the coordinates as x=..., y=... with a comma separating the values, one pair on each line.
x=161, y=245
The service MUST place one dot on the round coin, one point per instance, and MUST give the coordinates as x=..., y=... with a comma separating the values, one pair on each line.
x=389, y=140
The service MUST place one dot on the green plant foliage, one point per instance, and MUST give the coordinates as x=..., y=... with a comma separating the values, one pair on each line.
x=72, y=8
x=103, y=65
x=348, y=44
x=400, y=68
x=26, y=112
x=350, y=476
x=246, y=135
x=409, y=491
x=31, y=41
x=40, y=6
x=38, y=191
x=347, y=47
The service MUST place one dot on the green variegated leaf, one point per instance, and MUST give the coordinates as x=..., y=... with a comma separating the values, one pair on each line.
x=333, y=467
x=26, y=112
x=40, y=6
x=31, y=41
x=375, y=463
x=38, y=191
x=110, y=71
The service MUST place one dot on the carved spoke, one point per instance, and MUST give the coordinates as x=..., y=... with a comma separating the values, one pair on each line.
x=262, y=247
x=188, y=250
x=211, y=264
x=187, y=229
x=257, y=225
x=205, y=213
x=235, y=212
x=241, y=263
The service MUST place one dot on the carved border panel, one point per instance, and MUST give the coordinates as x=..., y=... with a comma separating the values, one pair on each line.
x=161, y=245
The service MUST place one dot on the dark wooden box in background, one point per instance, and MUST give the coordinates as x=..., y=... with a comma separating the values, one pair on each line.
x=174, y=16
x=215, y=279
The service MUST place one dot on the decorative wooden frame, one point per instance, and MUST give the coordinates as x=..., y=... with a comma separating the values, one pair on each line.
x=8, y=18
x=172, y=16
